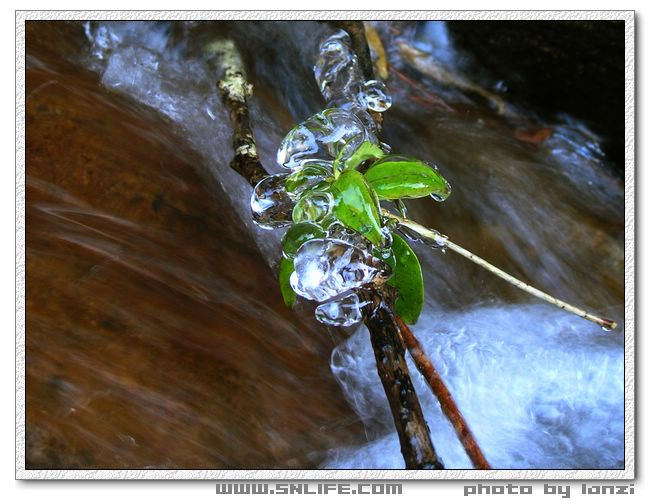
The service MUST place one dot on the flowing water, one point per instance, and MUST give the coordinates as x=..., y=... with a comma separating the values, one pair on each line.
x=538, y=387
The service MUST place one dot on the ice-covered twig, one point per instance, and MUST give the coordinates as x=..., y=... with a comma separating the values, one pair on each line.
x=442, y=241
x=357, y=33
x=411, y=426
x=383, y=324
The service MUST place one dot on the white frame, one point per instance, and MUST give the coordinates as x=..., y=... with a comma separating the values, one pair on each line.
x=627, y=473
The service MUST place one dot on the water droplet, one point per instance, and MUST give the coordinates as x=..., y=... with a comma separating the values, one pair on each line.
x=344, y=310
x=442, y=195
x=271, y=205
x=375, y=96
x=326, y=268
x=386, y=255
x=440, y=241
x=609, y=324
x=313, y=206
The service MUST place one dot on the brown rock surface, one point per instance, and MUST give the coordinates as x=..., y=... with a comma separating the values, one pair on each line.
x=156, y=335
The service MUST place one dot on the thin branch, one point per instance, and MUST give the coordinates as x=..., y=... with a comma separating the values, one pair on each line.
x=443, y=241
x=440, y=391
x=383, y=324
x=234, y=90
x=412, y=430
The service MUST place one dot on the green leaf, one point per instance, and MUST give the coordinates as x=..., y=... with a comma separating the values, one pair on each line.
x=356, y=205
x=394, y=177
x=286, y=269
x=366, y=151
x=407, y=279
x=299, y=234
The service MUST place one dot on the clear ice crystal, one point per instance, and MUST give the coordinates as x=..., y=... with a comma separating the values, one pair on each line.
x=328, y=135
x=326, y=268
x=313, y=206
x=270, y=203
x=337, y=71
x=375, y=96
x=440, y=241
x=341, y=311
x=388, y=239
x=338, y=231
x=313, y=173
x=411, y=235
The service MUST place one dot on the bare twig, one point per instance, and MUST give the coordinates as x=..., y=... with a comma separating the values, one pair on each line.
x=442, y=241
x=234, y=90
x=440, y=391
x=412, y=430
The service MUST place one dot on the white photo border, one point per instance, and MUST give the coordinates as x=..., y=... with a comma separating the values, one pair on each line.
x=538, y=474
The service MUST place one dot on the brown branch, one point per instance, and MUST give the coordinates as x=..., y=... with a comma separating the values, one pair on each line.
x=440, y=391
x=412, y=430
x=234, y=90
x=374, y=41
x=424, y=364
x=382, y=323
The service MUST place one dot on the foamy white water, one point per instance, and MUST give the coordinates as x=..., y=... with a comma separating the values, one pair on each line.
x=539, y=388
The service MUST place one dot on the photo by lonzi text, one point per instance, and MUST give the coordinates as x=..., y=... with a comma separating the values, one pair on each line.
x=560, y=490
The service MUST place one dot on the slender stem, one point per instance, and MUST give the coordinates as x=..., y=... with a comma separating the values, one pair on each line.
x=442, y=240
x=440, y=391
x=412, y=429
x=235, y=89
x=374, y=41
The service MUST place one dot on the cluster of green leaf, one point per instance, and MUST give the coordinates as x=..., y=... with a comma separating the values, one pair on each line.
x=356, y=198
